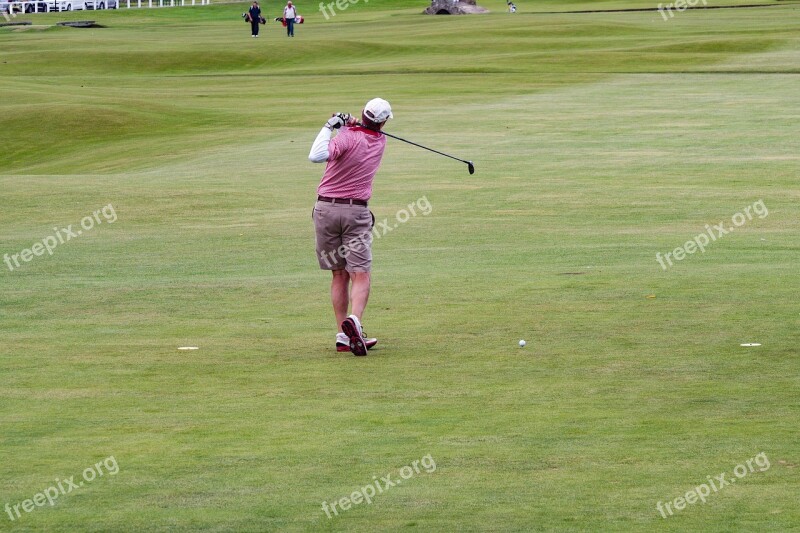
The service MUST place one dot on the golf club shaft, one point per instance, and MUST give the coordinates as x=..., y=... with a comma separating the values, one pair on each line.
x=420, y=146
x=423, y=147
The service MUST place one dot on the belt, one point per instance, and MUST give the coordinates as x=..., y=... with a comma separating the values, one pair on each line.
x=349, y=201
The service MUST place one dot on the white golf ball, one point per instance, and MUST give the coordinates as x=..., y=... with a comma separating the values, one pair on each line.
x=522, y=344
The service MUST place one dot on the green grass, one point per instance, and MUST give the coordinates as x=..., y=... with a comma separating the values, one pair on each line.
x=599, y=140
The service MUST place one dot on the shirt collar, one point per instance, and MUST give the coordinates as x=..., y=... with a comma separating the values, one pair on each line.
x=366, y=130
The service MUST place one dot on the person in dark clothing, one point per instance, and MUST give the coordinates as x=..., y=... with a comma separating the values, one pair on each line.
x=254, y=15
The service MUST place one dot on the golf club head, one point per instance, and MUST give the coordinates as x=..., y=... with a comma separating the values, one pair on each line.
x=471, y=167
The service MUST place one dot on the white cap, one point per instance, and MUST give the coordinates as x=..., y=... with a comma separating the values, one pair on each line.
x=378, y=110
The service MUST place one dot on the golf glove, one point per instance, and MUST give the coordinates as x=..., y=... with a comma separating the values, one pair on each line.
x=335, y=122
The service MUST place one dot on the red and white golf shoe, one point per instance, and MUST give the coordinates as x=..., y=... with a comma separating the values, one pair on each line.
x=343, y=343
x=354, y=337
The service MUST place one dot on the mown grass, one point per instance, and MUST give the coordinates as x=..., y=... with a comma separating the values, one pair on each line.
x=599, y=140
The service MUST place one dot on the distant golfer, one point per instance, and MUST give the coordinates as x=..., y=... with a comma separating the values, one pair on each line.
x=253, y=16
x=342, y=221
x=289, y=14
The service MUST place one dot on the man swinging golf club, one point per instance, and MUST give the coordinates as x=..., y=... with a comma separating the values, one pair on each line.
x=342, y=221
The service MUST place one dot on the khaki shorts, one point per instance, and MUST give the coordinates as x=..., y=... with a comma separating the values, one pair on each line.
x=344, y=236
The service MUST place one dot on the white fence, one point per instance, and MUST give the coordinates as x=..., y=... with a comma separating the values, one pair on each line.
x=167, y=3
x=47, y=6
x=29, y=7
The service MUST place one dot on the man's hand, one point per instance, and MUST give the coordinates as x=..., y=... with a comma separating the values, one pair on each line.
x=340, y=119
x=349, y=120
x=335, y=122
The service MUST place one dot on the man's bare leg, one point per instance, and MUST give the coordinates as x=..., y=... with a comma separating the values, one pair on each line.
x=351, y=326
x=360, y=292
x=340, y=295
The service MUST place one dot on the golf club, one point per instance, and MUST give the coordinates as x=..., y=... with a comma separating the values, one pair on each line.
x=470, y=165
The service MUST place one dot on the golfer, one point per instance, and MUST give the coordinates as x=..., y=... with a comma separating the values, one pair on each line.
x=342, y=221
x=289, y=14
x=253, y=16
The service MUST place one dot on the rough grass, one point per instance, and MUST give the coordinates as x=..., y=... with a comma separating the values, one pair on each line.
x=599, y=140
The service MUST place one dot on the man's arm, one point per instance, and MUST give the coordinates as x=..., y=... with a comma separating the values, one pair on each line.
x=319, y=150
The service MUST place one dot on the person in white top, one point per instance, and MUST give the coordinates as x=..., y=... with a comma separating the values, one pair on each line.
x=289, y=14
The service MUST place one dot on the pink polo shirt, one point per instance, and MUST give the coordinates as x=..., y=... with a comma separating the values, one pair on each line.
x=354, y=157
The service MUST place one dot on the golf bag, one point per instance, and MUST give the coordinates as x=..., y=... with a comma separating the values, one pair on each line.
x=297, y=20
x=246, y=17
